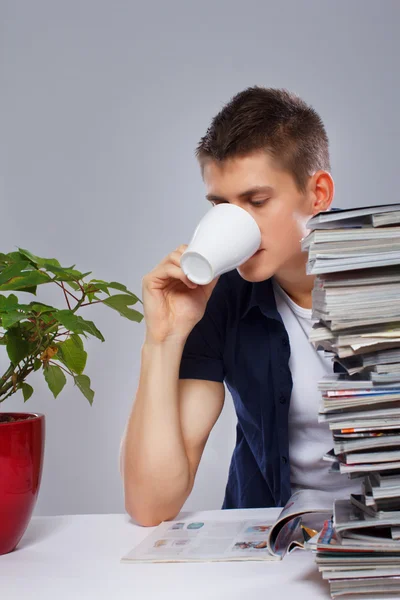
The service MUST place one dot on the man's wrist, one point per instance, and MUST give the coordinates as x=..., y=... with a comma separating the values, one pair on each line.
x=170, y=343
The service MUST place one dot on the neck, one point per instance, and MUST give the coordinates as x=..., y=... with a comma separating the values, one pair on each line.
x=293, y=279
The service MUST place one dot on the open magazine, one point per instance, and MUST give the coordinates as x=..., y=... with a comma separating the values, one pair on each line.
x=238, y=539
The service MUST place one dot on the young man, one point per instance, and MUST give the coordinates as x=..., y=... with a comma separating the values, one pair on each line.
x=267, y=152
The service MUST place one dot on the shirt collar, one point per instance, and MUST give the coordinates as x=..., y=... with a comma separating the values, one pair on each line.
x=262, y=295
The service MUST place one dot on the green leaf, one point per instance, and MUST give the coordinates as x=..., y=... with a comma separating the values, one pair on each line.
x=9, y=319
x=17, y=347
x=13, y=270
x=8, y=303
x=53, y=266
x=120, y=303
x=91, y=328
x=27, y=391
x=72, y=353
x=48, y=317
x=64, y=274
x=77, y=341
x=55, y=378
x=98, y=285
x=114, y=285
x=25, y=281
x=31, y=289
x=41, y=308
x=76, y=324
x=11, y=312
x=10, y=257
x=37, y=364
x=37, y=260
x=83, y=383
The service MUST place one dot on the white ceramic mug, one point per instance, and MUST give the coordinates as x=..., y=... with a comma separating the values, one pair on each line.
x=226, y=237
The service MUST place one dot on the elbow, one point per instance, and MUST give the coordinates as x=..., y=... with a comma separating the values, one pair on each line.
x=146, y=515
x=142, y=516
x=149, y=506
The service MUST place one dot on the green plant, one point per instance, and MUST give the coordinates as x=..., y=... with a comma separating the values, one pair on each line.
x=39, y=336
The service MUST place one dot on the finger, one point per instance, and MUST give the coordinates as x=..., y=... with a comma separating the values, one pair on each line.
x=176, y=253
x=175, y=258
x=169, y=272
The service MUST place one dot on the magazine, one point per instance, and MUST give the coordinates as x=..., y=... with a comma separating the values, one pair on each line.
x=355, y=217
x=243, y=538
x=356, y=302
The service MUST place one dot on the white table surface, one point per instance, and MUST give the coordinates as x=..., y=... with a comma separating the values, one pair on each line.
x=78, y=556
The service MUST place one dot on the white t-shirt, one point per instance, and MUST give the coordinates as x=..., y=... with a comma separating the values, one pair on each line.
x=308, y=439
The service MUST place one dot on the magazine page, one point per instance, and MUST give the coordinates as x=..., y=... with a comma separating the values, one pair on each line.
x=240, y=539
x=347, y=516
x=188, y=540
x=287, y=533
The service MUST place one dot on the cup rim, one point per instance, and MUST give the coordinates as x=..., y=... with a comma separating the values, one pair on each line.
x=196, y=280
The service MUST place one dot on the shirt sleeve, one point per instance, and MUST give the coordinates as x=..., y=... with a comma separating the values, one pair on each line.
x=202, y=356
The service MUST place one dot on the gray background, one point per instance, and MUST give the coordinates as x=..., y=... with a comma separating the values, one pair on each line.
x=102, y=104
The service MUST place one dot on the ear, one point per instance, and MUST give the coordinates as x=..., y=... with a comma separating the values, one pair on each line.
x=322, y=190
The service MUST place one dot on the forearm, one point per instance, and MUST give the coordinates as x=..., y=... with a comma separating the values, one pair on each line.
x=156, y=468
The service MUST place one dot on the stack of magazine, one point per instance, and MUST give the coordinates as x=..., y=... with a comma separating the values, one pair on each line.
x=356, y=301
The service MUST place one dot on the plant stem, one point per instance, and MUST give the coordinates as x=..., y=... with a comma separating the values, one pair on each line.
x=60, y=333
x=9, y=372
x=79, y=303
x=20, y=378
x=67, y=291
x=91, y=303
x=45, y=338
x=65, y=294
x=51, y=362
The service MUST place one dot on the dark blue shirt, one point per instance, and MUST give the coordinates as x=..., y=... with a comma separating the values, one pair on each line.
x=242, y=340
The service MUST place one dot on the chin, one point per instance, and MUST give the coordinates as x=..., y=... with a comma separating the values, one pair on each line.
x=254, y=274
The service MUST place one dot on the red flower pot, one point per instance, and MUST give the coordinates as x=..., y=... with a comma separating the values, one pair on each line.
x=21, y=460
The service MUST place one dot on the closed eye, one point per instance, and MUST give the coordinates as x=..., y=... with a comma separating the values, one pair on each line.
x=257, y=202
